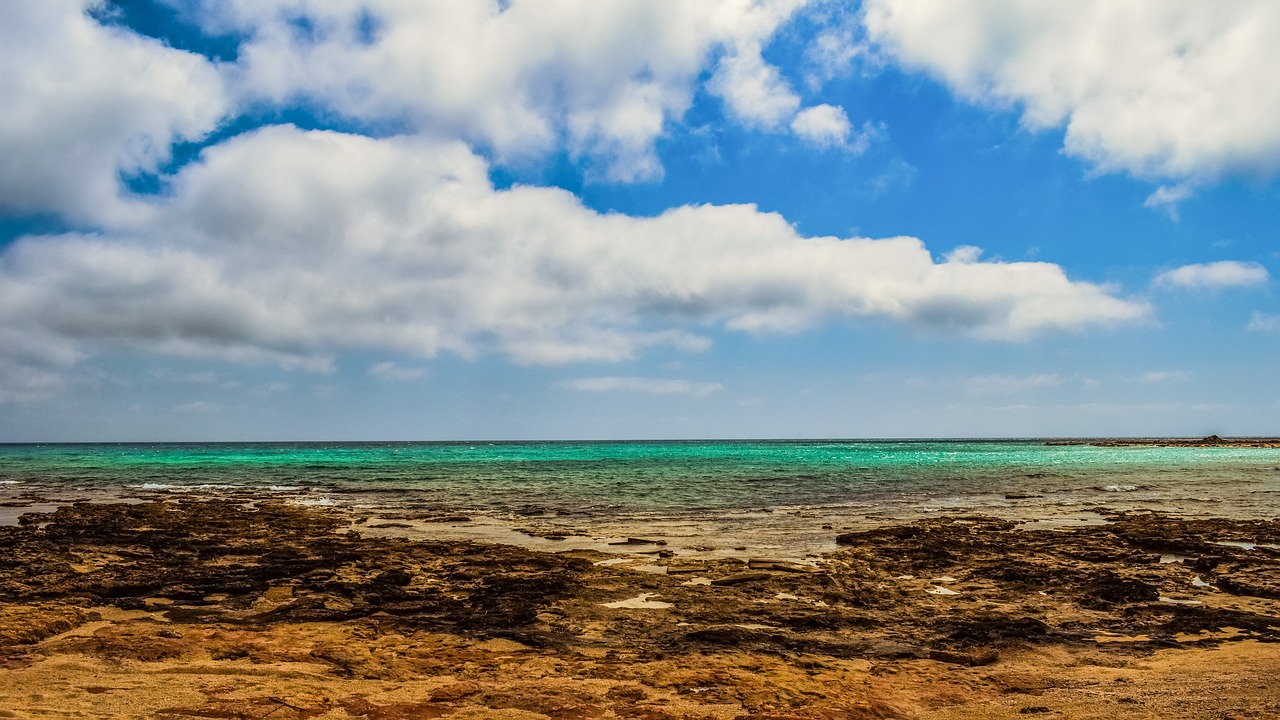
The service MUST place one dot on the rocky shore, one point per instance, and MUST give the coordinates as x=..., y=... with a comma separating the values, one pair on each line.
x=220, y=609
x=1211, y=441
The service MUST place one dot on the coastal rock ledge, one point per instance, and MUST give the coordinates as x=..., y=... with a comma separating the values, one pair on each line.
x=219, y=609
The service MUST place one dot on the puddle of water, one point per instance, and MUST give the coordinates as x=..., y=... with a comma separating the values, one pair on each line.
x=1175, y=601
x=939, y=590
x=697, y=581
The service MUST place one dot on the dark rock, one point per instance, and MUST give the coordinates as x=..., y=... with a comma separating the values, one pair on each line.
x=740, y=578
x=1108, y=589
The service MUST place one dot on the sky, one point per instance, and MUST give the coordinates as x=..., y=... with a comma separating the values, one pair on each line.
x=627, y=219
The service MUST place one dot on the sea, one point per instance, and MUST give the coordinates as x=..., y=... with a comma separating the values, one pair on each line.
x=789, y=497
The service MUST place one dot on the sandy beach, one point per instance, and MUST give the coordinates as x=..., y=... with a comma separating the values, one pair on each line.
x=227, y=609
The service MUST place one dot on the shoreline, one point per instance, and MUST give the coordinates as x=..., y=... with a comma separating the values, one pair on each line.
x=192, y=607
x=1212, y=441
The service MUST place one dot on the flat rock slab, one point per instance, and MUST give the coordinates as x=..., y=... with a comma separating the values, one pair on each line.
x=740, y=578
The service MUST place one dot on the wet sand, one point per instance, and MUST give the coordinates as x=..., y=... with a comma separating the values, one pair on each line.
x=197, y=608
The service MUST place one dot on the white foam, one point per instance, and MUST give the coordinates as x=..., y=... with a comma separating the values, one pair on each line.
x=10, y=482
x=1119, y=488
x=322, y=502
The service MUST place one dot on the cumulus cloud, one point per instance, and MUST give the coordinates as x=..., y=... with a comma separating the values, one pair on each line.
x=823, y=125
x=1214, y=275
x=86, y=103
x=1157, y=88
x=650, y=386
x=520, y=78
x=287, y=246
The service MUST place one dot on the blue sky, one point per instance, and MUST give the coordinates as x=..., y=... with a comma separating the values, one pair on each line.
x=395, y=219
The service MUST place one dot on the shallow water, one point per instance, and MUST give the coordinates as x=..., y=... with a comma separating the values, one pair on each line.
x=767, y=494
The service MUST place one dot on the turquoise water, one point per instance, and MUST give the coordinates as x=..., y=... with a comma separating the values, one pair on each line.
x=616, y=478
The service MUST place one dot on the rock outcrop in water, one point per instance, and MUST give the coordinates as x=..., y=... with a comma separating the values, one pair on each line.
x=239, y=610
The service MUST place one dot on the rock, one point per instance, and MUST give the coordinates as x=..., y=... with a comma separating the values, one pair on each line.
x=1109, y=589
x=782, y=565
x=27, y=625
x=973, y=658
x=639, y=541
x=739, y=578
x=446, y=518
x=455, y=691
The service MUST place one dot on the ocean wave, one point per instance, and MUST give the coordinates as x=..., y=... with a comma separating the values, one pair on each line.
x=10, y=482
x=1120, y=488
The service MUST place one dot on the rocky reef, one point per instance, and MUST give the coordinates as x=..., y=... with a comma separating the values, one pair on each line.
x=219, y=609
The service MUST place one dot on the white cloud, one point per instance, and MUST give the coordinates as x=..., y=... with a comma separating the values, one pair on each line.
x=85, y=103
x=199, y=407
x=823, y=125
x=651, y=386
x=1167, y=198
x=394, y=372
x=1009, y=384
x=522, y=78
x=832, y=54
x=286, y=247
x=1157, y=88
x=1222, y=274
x=1157, y=376
x=1261, y=322
x=755, y=91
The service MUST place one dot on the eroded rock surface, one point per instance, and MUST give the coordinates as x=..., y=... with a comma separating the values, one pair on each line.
x=232, y=609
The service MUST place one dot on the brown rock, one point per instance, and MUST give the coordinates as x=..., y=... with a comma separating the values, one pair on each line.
x=983, y=656
x=739, y=578
x=455, y=691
